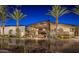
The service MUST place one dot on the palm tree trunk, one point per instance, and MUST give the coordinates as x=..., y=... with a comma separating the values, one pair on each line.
x=2, y=32
x=17, y=24
x=17, y=28
x=3, y=27
x=49, y=48
x=56, y=23
x=49, y=25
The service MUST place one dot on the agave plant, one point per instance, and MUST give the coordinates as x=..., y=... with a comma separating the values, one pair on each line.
x=17, y=15
x=56, y=12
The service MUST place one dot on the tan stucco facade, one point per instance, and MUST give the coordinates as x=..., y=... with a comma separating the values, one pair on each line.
x=13, y=28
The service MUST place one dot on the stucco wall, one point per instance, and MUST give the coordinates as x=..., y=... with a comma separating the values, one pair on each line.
x=13, y=28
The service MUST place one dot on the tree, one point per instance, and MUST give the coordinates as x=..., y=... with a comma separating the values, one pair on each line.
x=3, y=15
x=56, y=12
x=76, y=10
x=17, y=15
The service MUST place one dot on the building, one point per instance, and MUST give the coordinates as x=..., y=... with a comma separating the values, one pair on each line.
x=12, y=30
x=42, y=28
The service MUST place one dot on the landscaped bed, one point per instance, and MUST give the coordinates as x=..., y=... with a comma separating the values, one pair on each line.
x=41, y=46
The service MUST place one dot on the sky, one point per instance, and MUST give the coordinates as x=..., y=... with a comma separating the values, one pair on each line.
x=37, y=13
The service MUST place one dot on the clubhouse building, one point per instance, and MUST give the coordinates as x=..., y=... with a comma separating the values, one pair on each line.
x=40, y=29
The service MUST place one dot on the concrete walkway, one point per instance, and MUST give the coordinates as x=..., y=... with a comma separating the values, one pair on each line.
x=5, y=51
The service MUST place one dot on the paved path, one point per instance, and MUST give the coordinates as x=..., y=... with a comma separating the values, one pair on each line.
x=5, y=51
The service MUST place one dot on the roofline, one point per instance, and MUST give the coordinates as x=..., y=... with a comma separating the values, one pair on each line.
x=53, y=23
x=10, y=26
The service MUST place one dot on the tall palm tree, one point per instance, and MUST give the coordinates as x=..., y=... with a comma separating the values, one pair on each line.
x=76, y=11
x=17, y=15
x=56, y=12
x=3, y=15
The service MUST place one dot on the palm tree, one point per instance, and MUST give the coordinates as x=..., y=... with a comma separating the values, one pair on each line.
x=76, y=11
x=17, y=15
x=56, y=12
x=3, y=15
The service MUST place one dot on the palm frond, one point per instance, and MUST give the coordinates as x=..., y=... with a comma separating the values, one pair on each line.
x=63, y=11
x=17, y=14
x=12, y=16
x=57, y=11
x=76, y=10
x=3, y=12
